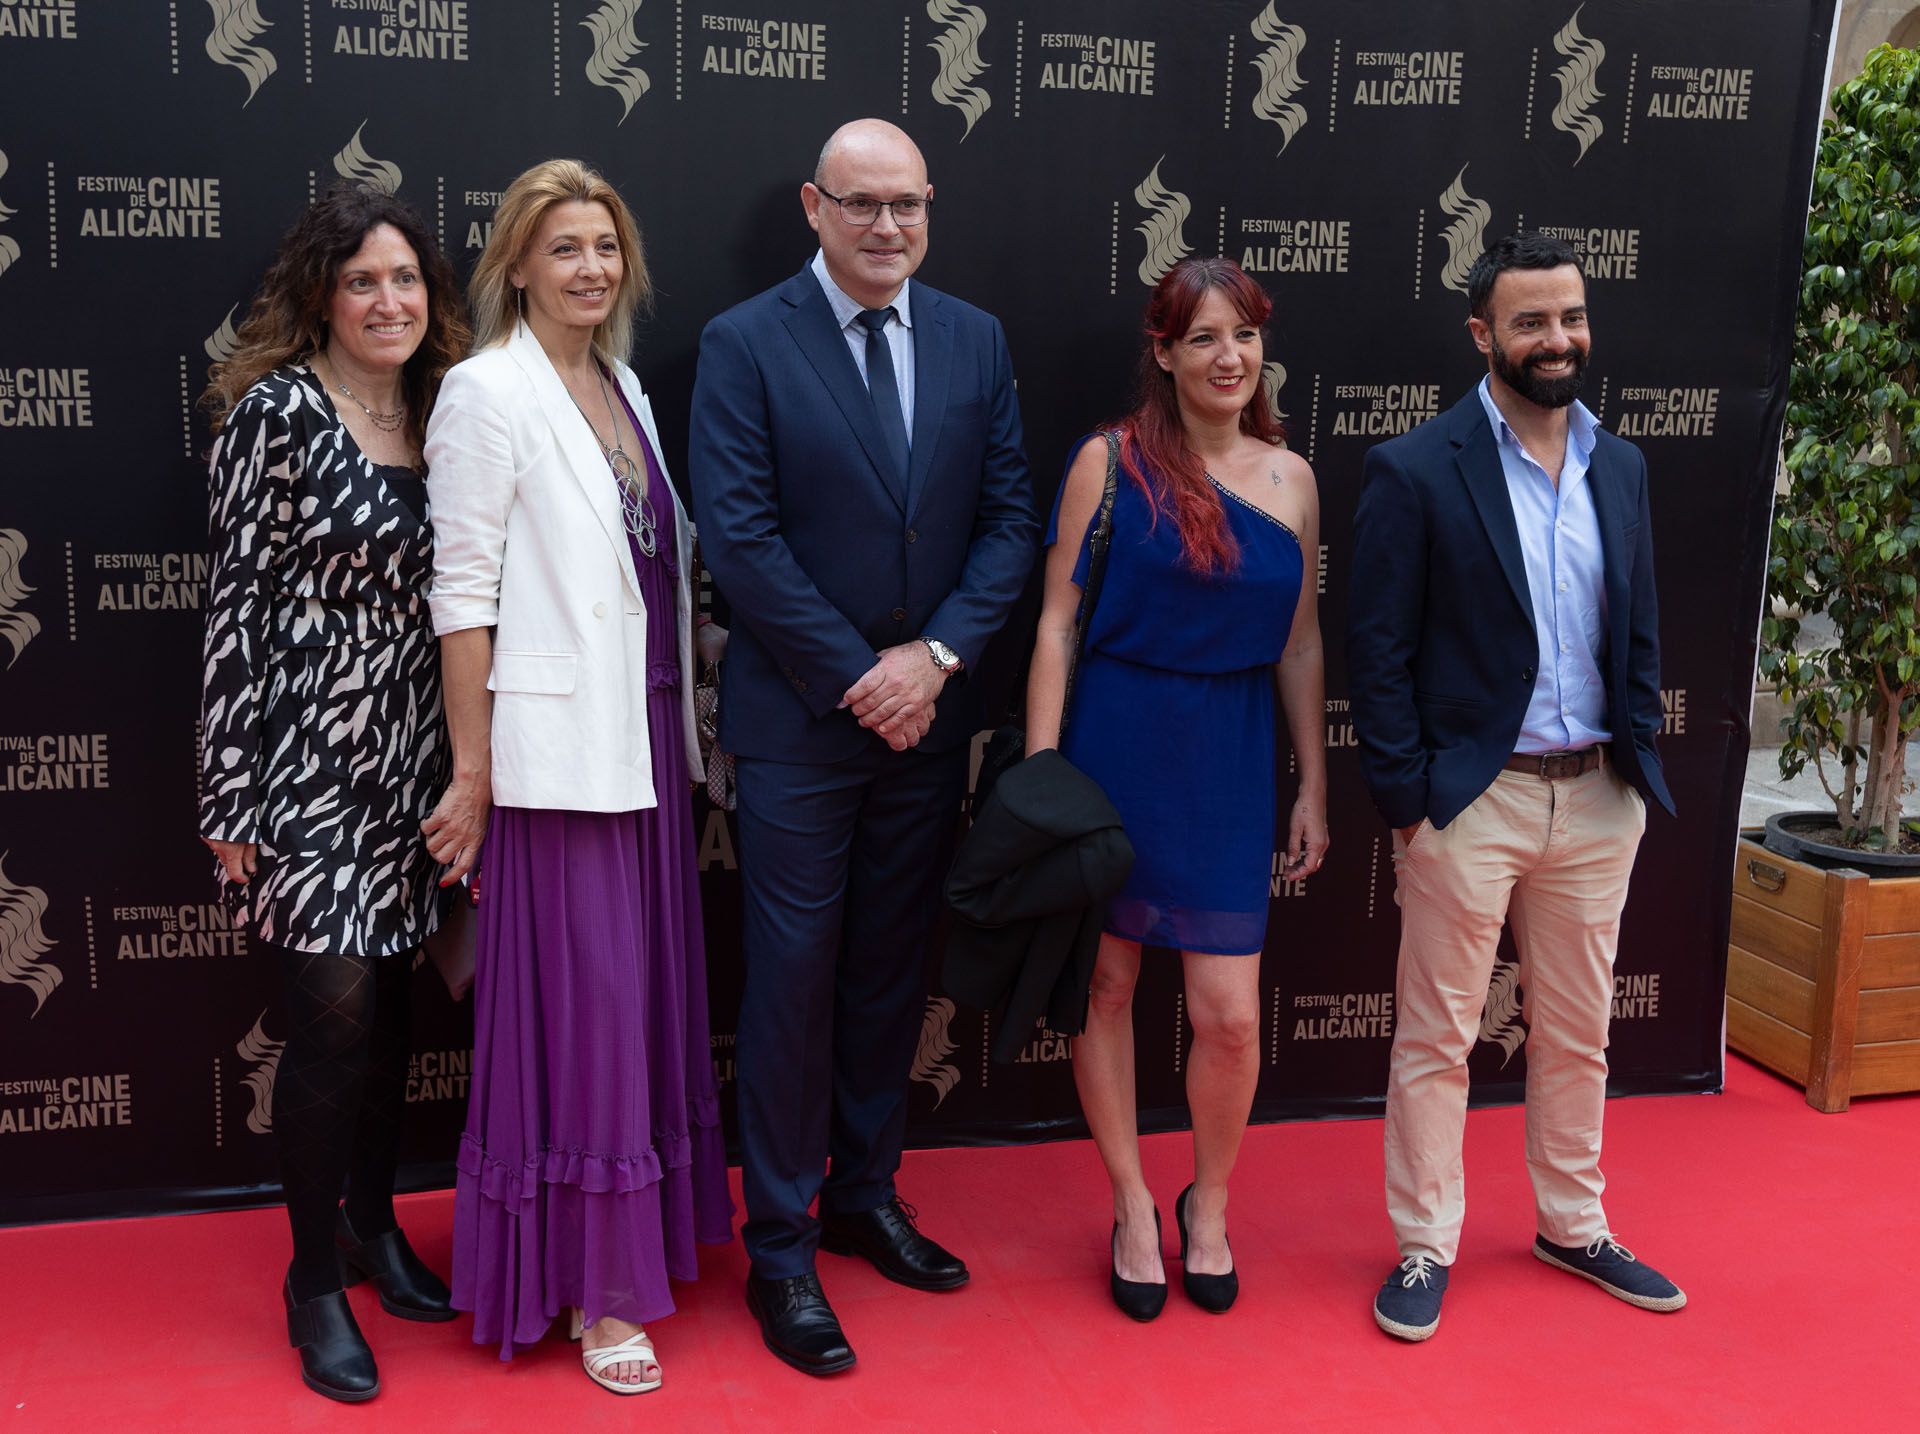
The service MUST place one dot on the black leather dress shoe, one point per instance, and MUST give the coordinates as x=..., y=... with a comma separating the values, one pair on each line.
x=334, y=1358
x=798, y=1324
x=407, y=1287
x=886, y=1237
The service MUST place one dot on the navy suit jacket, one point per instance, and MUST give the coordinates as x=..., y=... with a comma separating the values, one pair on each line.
x=824, y=552
x=1441, y=647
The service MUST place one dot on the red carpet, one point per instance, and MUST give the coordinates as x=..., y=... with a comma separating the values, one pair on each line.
x=1793, y=1234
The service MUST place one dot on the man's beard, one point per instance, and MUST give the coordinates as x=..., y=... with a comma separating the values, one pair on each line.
x=1524, y=380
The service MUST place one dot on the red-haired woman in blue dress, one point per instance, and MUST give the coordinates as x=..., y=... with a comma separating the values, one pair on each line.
x=1208, y=604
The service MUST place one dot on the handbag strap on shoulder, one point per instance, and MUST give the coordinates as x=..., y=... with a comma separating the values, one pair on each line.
x=1101, y=541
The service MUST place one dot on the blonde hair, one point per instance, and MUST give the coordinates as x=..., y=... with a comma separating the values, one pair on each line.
x=491, y=293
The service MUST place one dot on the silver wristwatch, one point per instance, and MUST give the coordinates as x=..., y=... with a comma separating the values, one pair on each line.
x=944, y=657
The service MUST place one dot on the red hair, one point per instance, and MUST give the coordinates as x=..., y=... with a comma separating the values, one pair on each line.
x=1153, y=442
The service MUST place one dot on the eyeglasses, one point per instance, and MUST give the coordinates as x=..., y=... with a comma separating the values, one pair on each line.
x=858, y=209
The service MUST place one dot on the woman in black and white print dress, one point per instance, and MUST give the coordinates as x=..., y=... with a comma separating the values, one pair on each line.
x=324, y=737
x=324, y=742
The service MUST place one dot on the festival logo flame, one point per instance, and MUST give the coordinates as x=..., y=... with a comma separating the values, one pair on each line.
x=17, y=628
x=930, y=1064
x=22, y=942
x=1500, y=1021
x=1579, y=84
x=262, y=1052
x=1167, y=209
x=614, y=47
x=1280, y=80
x=236, y=25
x=363, y=169
x=960, y=64
x=1273, y=378
x=1467, y=235
x=9, y=247
x=223, y=341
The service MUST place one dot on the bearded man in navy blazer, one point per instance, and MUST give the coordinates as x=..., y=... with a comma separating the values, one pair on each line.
x=863, y=503
x=1503, y=662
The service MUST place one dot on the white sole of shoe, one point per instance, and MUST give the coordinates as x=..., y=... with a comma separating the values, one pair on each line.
x=1660, y=1304
x=1411, y=1332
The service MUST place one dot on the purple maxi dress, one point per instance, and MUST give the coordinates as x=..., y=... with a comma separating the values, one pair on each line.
x=592, y=1158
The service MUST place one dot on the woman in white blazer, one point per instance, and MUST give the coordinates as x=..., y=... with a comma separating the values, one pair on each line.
x=592, y=1158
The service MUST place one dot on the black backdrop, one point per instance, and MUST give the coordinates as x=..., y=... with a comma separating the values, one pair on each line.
x=1353, y=155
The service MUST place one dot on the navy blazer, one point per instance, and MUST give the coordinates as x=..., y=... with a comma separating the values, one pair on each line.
x=1440, y=639
x=824, y=552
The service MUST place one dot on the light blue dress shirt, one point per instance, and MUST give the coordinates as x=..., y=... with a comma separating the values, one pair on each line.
x=1566, y=579
x=898, y=331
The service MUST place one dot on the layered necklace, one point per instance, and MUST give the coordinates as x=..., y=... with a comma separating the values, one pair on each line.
x=385, y=422
x=635, y=511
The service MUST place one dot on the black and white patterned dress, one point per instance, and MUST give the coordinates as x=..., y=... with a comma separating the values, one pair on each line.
x=324, y=739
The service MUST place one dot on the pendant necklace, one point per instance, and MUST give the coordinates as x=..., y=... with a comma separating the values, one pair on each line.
x=385, y=422
x=635, y=510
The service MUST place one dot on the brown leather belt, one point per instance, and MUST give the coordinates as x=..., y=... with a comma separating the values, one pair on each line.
x=1555, y=766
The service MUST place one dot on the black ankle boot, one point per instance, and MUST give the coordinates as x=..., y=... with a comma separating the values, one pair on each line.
x=407, y=1287
x=334, y=1358
x=1213, y=1293
x=1138, y=1299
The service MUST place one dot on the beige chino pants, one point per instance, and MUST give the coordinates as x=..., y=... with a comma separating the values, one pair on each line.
x=1554, y=858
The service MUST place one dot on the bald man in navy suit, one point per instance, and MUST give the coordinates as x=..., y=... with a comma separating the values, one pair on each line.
x=864, y=505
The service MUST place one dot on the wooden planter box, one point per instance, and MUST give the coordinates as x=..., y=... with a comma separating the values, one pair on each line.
x=1823, y=976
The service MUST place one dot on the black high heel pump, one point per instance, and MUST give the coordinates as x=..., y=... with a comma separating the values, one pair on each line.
x=1213, y=1293
x=1138, y=1299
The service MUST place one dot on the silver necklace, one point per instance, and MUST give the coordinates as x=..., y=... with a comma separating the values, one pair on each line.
x=635, y=511
x=385, y=422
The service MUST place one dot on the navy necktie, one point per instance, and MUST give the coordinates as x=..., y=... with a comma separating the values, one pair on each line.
x=884, y=388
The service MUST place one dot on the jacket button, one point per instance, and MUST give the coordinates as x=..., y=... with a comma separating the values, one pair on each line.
x=899, y=614
x=913, y=535
x=599, y=609
x=1527, y=675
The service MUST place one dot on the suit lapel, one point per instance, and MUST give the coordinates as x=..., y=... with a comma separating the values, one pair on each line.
x=577, y=446
x=1479, y=462
x=932, y=376
x=823, y=345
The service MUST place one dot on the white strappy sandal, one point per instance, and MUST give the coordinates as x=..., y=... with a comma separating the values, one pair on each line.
x=637, y=1349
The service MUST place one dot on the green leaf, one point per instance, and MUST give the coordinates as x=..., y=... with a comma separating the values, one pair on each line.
x=1845, y=537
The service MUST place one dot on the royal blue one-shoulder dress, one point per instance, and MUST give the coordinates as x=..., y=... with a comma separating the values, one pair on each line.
x=1173, y=715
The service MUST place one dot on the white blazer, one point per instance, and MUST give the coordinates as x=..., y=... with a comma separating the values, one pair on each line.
x=529, y=540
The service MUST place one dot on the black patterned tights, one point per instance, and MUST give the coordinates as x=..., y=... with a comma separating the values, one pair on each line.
x=338, y=1098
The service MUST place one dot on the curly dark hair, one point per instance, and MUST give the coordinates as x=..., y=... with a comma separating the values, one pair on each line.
x=287, y=320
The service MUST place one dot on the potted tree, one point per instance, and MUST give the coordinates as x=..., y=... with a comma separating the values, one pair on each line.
x=1824, y=959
